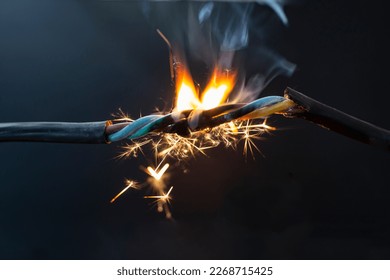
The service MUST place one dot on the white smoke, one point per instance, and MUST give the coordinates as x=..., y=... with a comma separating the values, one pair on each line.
x=213, y=31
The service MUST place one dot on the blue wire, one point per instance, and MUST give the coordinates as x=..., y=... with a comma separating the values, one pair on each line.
x=132, y=127
x=149, y=127
x=147, y=124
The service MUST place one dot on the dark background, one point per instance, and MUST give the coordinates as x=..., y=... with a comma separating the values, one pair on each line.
x=314, y=194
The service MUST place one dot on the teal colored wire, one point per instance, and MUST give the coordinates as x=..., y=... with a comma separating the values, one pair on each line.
x=145, y=125
x=149, y=127
x=132, y=128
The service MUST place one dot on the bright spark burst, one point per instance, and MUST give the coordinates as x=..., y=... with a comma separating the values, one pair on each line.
x=133, y=149
x=179, y=148
x=162, y=202
x=157, y=174
x=249, y=132
x=162, y=199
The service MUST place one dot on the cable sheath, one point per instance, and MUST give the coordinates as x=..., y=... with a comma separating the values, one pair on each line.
x=335, y=120
x=57, y=132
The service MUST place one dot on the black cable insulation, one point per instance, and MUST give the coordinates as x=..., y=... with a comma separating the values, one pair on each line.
x=57, y=132
x=335, y=120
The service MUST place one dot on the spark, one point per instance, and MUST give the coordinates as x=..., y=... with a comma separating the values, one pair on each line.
x=249, y=132
x=267, y=127
x=157, y=174
x=171, y=145
x=122, y=116
x=233, y=127
x=163, y=197
x=129, y=184
x=179, y=147
x=133, y=149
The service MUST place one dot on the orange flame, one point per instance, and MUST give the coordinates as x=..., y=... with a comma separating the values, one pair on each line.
x=186, y=94
x=215, y=93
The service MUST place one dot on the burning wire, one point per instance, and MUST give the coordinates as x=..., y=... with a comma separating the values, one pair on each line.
x=183, y=123
x=200, y=120
x=197, y=122
x=181, y=134
x=293, y=105
x=105, y=132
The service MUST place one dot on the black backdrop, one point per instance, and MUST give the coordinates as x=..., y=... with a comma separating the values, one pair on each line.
x=314, y=194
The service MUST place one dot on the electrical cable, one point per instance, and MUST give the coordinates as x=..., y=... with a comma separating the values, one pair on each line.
x=337, y=121
x=293, y=105
x=56, y=132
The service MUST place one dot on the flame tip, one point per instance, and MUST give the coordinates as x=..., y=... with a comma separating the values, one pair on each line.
x=216, y=92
